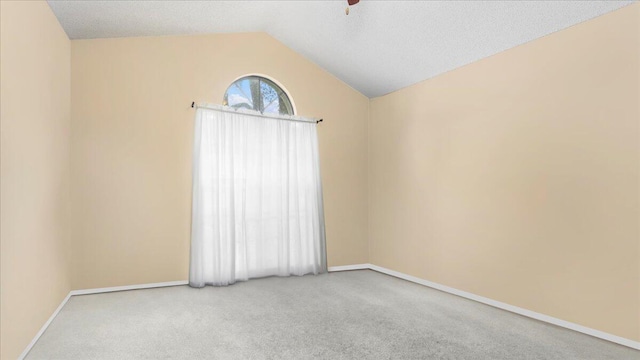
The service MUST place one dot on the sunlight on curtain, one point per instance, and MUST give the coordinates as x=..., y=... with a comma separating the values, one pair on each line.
x=257, y=198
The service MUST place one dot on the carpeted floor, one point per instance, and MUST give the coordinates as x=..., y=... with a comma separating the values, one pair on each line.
x=344, y=315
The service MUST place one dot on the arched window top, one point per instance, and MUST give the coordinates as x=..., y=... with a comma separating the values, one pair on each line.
x=258, y=93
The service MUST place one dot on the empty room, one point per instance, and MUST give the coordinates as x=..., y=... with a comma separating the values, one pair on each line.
x=339, y=179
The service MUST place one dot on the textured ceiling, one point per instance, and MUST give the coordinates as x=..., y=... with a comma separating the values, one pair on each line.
x=380, y=47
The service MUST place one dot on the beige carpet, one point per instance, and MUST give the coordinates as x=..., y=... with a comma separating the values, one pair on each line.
x=344, y=315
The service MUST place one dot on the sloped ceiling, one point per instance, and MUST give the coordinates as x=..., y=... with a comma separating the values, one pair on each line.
x=380, y=47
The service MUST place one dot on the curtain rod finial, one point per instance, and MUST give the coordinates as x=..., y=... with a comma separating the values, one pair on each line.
x=193, y=104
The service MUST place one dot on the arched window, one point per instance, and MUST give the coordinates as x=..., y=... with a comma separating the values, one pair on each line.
x=258, y=93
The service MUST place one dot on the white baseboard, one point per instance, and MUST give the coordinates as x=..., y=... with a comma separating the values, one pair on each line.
x=514, y=309
x=128, y=287
x=349, y=267
x=44, y=327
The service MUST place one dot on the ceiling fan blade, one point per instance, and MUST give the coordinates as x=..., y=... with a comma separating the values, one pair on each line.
x=353, y=2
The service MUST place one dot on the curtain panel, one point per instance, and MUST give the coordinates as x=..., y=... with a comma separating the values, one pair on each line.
x=257, y=198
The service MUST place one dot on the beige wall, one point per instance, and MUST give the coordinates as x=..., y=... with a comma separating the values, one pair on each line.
x=517, y=177
x=34, y=147
x=132, y=131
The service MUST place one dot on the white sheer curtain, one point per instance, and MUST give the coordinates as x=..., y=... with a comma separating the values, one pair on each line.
x=257, y=198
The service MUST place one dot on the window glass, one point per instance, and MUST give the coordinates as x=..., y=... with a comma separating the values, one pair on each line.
x=258, y=93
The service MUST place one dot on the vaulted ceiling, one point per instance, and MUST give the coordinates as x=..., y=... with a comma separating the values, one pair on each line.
x=380, y=47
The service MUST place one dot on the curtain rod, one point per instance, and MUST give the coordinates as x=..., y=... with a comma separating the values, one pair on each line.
x=193, y=105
